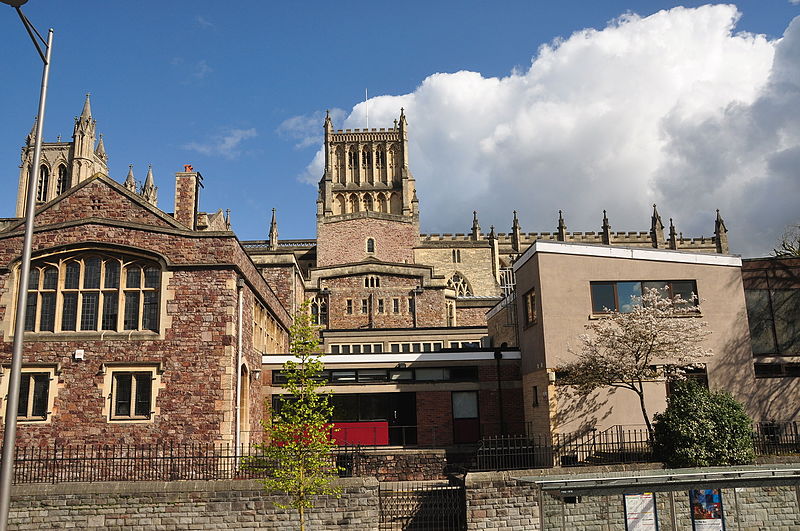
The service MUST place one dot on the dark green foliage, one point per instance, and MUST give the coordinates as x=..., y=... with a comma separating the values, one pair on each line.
x=703, y=428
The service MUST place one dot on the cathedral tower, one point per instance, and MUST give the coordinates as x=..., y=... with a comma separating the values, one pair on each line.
x=63, y=164
x=367, y=205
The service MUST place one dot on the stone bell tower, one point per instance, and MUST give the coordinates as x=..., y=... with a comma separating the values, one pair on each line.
x=367, y=205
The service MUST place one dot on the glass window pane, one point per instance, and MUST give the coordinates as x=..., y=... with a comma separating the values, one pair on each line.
x=334, y=349
x=786, y=307
x=110, y=310
x=112, y=274
x=603, y=297
x=150, y=311
x=131, y=311
x=345, y=349
x=24, y=394
x=660, y=285
x=373, y=407
x=345, y=408
x=377, y=348
x=343, y=376
x=122, y=394
x=91, y=273
x=69, y=313
x=50, y=278
x=144, y=390
x=465, y=405
x=629, y=295
x=40, y=391
x=47, y=320
x=372, y=375
x=72, y=275
x=762, y=336
x=686, y=289
x=394, y=347
x=33, y=279
x=437, y=374
x=89, y=303
x=366, y=349
x=356, y=349
x=30, y=311
x=401, y=374
x=405, y=347
x=152, y=277
x=133, y=278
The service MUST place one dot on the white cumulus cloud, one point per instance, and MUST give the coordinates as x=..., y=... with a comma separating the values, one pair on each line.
x=676, y=108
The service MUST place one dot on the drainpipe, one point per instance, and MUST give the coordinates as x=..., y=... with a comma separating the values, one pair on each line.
x=237, y=434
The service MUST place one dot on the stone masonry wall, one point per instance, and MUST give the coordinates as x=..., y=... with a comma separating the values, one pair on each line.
x=345, y=241
x=187, y=505
x=498, y=501
x=475, y=265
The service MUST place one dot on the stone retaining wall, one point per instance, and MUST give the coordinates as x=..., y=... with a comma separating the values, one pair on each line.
x=186, y=505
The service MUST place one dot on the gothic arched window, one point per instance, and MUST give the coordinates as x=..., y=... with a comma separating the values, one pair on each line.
x=370, y=245
x=352, y=158
x=354, y=203
x=319, y=311
x=63, y=180
x=368, y=203
x=460, y=285
x=366, y=157
x=41, y=186
x=93, y=292
x=372, y=281
x=380, y=158
x=382, y=203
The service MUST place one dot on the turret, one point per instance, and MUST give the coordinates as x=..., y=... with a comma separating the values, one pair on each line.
x=476, y=228
x=149, y=189
x=721, y=234
x=516, y=234
x=606, y=229
x=101, y=150
x=130, y=182
x=561, y=230
x=656, y=228
x=273, y=233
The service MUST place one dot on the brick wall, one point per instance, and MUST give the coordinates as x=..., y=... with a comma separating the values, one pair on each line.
x=434, y=418
x=344, y=241
x=186, y=505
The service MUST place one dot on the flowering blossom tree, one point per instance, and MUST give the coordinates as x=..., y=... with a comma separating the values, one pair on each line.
x=659, y=338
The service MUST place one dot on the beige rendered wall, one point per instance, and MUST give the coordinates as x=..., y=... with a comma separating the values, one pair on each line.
x=564, y=304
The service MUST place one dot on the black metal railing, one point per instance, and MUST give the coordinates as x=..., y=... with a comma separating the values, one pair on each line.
x=422, y=506
x=776, y=438
x=91, y=463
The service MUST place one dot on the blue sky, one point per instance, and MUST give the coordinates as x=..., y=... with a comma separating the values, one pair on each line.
x=239, y=90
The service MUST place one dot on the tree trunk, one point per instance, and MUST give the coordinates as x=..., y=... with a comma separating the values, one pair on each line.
x=302, y=519
x=640, y=392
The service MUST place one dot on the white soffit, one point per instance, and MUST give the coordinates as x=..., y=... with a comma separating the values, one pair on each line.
x=395, y=357
x=629, y=253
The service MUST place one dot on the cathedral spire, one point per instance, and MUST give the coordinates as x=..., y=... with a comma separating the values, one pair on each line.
x=606, y=229
x=101, y=150
x=31, y=138
x=721, y=234
x=87, y=108
x=476, y=228
x=516, y=233
x=562, y=228
x=130, y=182
x=656, y=228
x=273, y=233
x=149, y=189
x=492, y=235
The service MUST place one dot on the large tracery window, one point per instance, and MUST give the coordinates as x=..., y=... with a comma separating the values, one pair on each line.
x=63, y=180
x=93, y=292
x=460, y=285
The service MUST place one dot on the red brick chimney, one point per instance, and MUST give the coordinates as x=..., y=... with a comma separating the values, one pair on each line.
x=187, y=196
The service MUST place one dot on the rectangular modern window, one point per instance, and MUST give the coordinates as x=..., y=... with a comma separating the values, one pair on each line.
x=624, y=296
x=131, y=395
x=530, y=307
x=774, y=317
x=34, y=390
x=465, y=404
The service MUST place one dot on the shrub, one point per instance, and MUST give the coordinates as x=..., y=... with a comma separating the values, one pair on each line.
x=703, y=428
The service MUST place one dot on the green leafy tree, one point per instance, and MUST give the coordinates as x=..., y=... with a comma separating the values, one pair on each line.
x=626, y=350
x=298, y=454
x=703, y=428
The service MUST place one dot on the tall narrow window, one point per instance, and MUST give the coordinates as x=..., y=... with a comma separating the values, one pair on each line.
x=370, y=245
x=456, y=256
x=42, y=183
x=63, y=180
x=34, y=388
x=349, y=306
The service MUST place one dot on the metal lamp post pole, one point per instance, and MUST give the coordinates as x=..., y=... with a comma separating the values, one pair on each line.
x=10, y=433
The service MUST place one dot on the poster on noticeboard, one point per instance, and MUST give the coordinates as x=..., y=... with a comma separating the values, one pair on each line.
x=707, y=511
x=640, y=512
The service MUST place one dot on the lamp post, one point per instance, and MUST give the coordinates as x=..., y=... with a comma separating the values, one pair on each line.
x=10, y=433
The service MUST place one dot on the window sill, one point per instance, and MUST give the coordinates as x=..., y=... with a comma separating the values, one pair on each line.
x=132, y=335
x=688, y=315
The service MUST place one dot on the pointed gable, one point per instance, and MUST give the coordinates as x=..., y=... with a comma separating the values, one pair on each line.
x=101, y=198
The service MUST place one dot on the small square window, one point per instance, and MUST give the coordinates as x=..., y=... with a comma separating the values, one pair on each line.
x=131, y=395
